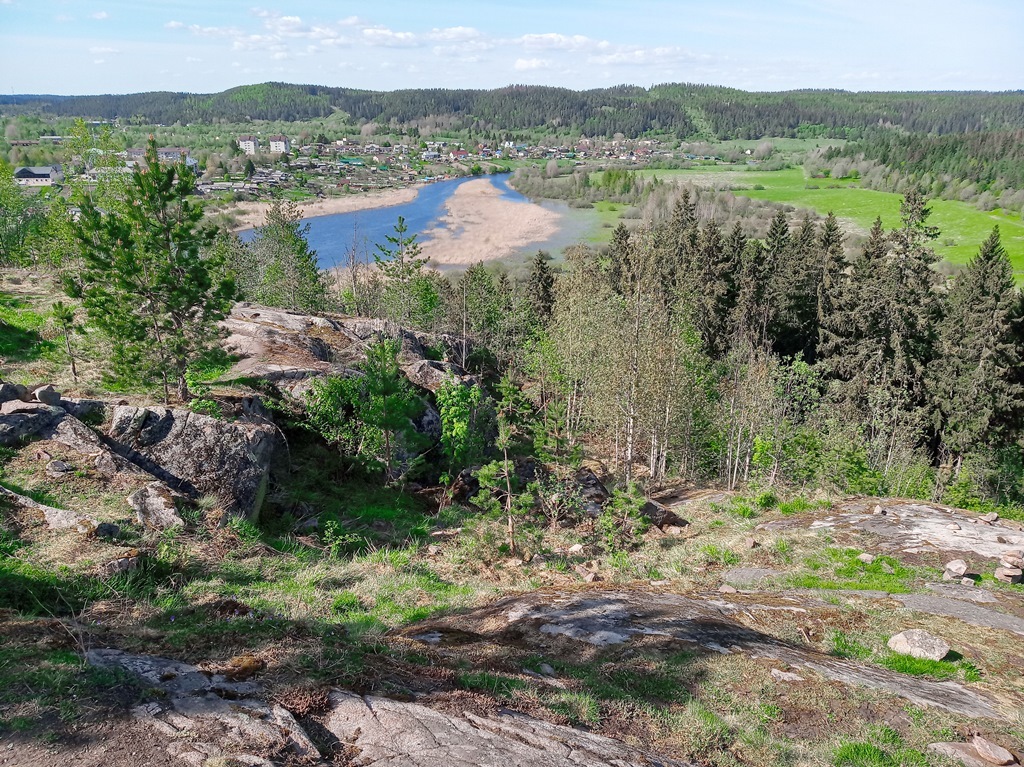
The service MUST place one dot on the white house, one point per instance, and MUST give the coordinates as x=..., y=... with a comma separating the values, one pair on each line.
x=279, y=144
x=249, y=144
x=38, y=175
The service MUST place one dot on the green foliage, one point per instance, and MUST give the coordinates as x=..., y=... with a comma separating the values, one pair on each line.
x=21, y=329
x=368, y=415
x=719, y=555
x=276, y=267
x=935, y=669
x=621, y=525
x=467, y=418
x=146, y=282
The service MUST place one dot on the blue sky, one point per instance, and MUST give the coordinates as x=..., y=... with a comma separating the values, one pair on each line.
x=115, y=46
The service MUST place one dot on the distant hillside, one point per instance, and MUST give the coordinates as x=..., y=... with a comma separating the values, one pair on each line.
x=680, y=109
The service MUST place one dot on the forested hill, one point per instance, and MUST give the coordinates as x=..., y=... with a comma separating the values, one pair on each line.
x=680, y=109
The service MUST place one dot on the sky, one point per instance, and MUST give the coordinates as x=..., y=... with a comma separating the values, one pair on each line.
x=204, y=46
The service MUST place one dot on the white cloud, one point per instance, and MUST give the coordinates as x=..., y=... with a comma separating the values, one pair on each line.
x=6, y=2
x=531, y=65
x=101, y=49
x=552, y=41
x=388, y=38
x=174, y=25
x=101, y=15
x=455, y=34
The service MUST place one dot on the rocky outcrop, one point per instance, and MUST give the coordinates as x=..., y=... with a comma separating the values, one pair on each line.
x=207, y=716
x=585, y=623
x=211, y=714
x=195, y=454
x=390, y=733
x=290, y=348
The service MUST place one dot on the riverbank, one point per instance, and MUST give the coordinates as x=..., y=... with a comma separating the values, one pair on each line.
x=249, y=215
x=482, y=225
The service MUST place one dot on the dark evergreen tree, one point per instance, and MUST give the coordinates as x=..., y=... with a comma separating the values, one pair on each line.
x=973, y=378
x=541, y=288
x=833, y=283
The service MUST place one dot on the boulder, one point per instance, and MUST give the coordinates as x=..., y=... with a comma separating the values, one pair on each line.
x=20, y=420
x=120, y=565
x=919, y=644
x=56, y=519
x=10, y=392
x=1009, y=574
x=84, y=409
x=661, y=516
x=957, y=567
x=963, y=753
x=195, y=454
x=47, y=395
x=156, y=507
x=992, y=752
x=592, y=490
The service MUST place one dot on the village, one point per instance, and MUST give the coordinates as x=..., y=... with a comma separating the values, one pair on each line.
x=262, y=167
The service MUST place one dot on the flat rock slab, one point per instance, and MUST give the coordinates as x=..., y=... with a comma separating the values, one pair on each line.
x=963, y=593
x=915, y=527
x=974, y=614
x=741, y=577
x=571, y=623
x=389, y=733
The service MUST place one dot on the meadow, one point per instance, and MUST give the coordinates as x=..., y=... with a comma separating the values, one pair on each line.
x=963, y=227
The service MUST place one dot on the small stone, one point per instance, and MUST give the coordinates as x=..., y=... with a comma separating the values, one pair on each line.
x=967, y=581
x=725, y=588
x=879, y=510
x=919, y=644
x=155, y=507
x=866, y=558
x=990, y=517
x=433, y=550
x=47, y=395
x=750, y=543
x=107, y=530
x=953, y=526
x=120, y=565
x=576, y=548
x=1011, y=562
x=672, y=530
x=660, y=583
x=546, y=669
x=991, y=752
x=592, y=578
x=1009, y=574
x=785, y=676
x=957, y=567
x=514, y=562
x=58, y=468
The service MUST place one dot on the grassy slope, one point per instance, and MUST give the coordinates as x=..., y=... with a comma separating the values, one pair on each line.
x=959, y=222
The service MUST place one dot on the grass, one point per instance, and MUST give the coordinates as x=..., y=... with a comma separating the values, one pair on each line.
x=959, y=223
x=21, y=329
x=839, y=569
x=935, y=669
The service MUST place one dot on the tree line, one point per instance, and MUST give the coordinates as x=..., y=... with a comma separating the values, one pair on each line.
x=680, y=110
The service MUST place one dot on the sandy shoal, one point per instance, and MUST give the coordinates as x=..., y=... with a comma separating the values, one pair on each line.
x=482, y=226
x=253, y=214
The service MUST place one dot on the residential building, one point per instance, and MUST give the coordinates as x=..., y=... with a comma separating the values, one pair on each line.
x=278, y=145
x=249, y=144
x=38, y=175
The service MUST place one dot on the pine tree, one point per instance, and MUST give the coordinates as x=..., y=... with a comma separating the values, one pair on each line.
x=972, y=379
x=145, y=280
x=283, y=271
x=799, y=274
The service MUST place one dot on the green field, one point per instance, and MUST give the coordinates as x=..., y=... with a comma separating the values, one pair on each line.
x=963, y=227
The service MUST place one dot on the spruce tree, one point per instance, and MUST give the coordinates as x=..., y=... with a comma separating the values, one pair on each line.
x=833, y=283
x=973, y=379
x=541, y=287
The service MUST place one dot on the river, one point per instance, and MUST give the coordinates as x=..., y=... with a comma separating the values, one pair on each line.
x=333, y=236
